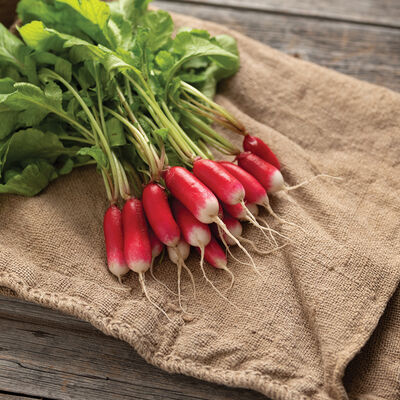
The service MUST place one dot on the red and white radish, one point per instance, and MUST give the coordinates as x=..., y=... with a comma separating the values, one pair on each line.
x=255, y=192
x=266, y=174
x=258, y=147
x=194, y=232
x=137, y=247
x=113, y=235
x=224, y=185
x=192, y=193
x=198, y=199
x=159, y=215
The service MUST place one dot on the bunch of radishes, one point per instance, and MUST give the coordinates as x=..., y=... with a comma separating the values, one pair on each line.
x=202, y=208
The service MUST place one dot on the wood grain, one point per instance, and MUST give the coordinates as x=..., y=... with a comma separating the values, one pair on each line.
x=45, y=353
x=370, y=12
x=366, y=52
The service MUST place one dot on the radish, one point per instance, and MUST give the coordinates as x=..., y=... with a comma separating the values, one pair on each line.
x=258, y=147
x=198, y=199
x=114, y=239
x=225, y=186
x=159, y=215
x=137, y=248
x=178, y=254
x=193, y=231
x=193, y=194
x=267, y=175
x=255, y=192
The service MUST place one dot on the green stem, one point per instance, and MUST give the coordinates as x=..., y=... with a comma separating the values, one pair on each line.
x=92, y=120
x=75, y=139
x=211, y=133
x=197, y=151
x=213, y=104
x=163, y=121
x=143, y=142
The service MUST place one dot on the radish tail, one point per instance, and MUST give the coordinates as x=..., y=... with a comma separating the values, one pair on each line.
x=276, y=216
x=253, y=221
x=212, y=284
x=221, y=235
x=307, y=181
x=187, y=270
x=220, y=223
x=257, y=250
x=272, y=230
x=232, y=277
x=158, y=281
x=143, y=285
x=191, y=278
x=179, y=286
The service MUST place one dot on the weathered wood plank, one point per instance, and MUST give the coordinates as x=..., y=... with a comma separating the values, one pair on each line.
x=371, y=12
x=7, y=396
x=44, y=353
x=365, y=52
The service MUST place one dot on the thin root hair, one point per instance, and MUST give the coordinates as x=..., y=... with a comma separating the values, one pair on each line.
x=220, y=223
x=143, y=285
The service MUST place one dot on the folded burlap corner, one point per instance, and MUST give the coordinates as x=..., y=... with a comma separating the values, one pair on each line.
x=320, y=299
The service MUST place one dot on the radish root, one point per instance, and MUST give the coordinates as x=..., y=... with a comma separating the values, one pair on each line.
x=307, y=181
x=212, y=284
x=220, y=223
x=221, y=235
x=143, y=285
x=276, y=216
x=257, y=250
x=158, y=281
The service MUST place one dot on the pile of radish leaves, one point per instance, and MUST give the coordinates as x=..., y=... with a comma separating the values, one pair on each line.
x=87, y=82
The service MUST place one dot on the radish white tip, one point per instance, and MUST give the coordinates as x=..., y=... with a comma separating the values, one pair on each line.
x=139, y=266
x=277, y=182
x=118, y=270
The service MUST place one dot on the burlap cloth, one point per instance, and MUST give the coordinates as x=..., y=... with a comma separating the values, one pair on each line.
x=319, y=301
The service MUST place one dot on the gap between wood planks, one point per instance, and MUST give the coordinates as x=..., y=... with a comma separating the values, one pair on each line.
x=339, y=11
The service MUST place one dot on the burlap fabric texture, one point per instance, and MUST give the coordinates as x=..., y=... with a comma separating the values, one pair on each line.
x=318, y=301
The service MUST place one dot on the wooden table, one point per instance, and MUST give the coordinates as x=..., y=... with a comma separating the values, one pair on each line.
x=47, y=355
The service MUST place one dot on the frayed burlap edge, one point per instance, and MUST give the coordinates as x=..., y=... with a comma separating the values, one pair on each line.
x=246, y=379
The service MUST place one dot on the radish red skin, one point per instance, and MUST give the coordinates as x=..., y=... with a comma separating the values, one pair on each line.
x=254, y=191
x=258, y=147
x=192, y=193
x=266, y=174
x=237, y=210
x=214, y=254
x=159, y=215
x=137, y=248
x=193, y=231
x=113, y=235
x=155, y=243
x=225, y=186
